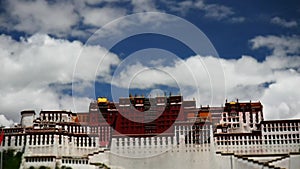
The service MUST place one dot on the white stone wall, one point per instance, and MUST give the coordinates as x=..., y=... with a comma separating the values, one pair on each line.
x=66, y=148
x=37, y=164
x=181, y=158
x=294, y=161
x=258, y=148
x=27, y=120
x=275, y=138
x=75, y=163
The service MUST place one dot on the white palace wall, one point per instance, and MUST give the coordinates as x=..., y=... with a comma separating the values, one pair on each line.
x=166, y=152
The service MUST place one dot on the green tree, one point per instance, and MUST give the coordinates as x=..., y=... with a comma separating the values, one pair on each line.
x=11, y=160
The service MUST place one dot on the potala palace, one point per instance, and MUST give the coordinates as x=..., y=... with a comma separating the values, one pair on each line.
x=161, y=132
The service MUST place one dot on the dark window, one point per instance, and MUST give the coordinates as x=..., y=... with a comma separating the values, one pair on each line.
x=16, y=140
x=52, y=139
x=20, y=140
x=59, y=139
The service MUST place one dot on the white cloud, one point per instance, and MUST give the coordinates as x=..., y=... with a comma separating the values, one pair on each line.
x=281, y=99
x=284, y=23
x=101, y=16
x=273, y=81
x=59, y=18
x=40, y=16
x=217, y=11
x=70, y=18
x=280, y=46
x=183, y=7
x=32, y=67
x=5, y=122
x=212, y=11
x=245, y=79
x=204, y=74
x=237, y=19
x=82, y=18
x=143, y=6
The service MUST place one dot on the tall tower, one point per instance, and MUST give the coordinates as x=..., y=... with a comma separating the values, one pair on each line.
x=27, y=118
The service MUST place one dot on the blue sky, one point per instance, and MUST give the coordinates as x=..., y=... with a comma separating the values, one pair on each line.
x=247, y=50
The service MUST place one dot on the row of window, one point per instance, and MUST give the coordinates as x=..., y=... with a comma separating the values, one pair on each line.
x=279, y=139
x=256, y=142
x=282, y=141
x=282, y=136
x=19, y=140
x=20, y=130
x=49, y=159
x=43, y=159
x=234, y=117
x=41, y=139
x=74, y=161
x=53, y=116
x=252, y=142
x=291, y=124
x=76, y=129
x=254, y=137
x=197, y=140
x=85, y=141
x=144, y=142
x=188, y=128
x=281, y=128
x=100, y=129
x=46, y=139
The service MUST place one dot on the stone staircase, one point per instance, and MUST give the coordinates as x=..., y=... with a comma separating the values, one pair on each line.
x=261, y=164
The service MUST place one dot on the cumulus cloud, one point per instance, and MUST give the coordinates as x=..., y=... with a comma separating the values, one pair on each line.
x=34, y=67
x=81, y=19
x=59, y=18
x=200, y=73
x=280, y=46
x=245, y=79
x=40, y=16
x=281, y=99
x=68, y=18
x=284, y=23
x=5, y=122
x=101, y=16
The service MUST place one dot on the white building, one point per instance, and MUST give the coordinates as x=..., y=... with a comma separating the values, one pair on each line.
x=242, y=139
